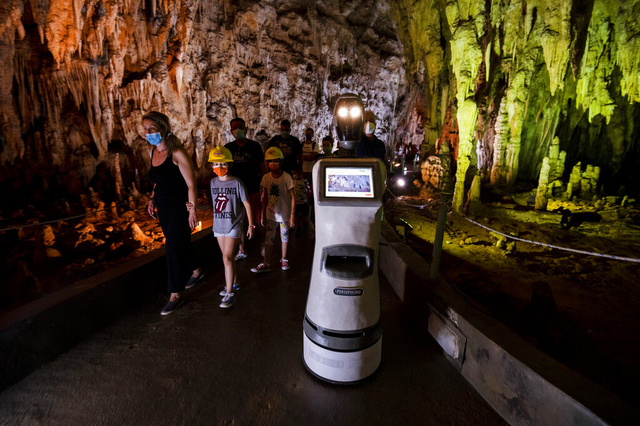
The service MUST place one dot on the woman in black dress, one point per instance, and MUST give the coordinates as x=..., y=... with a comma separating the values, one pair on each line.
x=174, y=188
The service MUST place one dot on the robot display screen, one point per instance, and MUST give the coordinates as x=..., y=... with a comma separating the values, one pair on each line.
x=349, y=182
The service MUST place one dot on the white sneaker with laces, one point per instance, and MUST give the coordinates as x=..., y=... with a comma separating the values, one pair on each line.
x=285, y=264
x=227, y=301
x=236, y=287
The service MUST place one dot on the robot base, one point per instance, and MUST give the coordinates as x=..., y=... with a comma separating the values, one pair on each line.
x=341, y=367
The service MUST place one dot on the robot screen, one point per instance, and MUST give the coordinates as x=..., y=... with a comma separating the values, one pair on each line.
x=349, y=182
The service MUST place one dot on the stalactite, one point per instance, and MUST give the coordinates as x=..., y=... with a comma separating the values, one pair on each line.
x=466, y=58
x=521, y=73
x=597, y=64
x=556, y=40
x=627, y=57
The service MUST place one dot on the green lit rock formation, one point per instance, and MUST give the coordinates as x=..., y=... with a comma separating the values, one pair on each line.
x=499, y=80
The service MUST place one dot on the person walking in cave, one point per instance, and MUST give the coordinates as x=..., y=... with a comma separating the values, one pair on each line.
x=310, y=151
x=174, y=188
x=248, y=166
x=370, y=145
x=278, y=208
x=327, y=148
x=289, y=146
x=228, y=194
x=302, y=192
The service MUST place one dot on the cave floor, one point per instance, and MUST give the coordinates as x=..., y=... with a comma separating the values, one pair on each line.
x=203, y=365
x=594, y=326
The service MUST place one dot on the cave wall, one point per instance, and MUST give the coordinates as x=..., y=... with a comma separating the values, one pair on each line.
x=497, y=79
x=517, y=73
x=78, y=76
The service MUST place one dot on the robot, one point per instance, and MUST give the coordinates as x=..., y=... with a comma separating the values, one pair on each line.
x=341, y=329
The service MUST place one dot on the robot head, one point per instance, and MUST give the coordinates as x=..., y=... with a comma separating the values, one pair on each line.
x=348, y=119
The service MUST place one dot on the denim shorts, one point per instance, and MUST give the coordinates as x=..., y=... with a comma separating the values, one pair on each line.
x=234, y=233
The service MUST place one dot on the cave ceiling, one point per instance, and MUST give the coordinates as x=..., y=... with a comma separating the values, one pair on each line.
x=497, y=79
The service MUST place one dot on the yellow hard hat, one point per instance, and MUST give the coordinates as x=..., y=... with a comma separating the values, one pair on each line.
x=220, y=154
x=273, y=153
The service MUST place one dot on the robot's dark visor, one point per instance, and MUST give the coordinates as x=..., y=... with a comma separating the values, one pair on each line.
x=349, y=113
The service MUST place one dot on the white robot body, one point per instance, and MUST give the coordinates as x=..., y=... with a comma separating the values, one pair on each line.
x=342, y=335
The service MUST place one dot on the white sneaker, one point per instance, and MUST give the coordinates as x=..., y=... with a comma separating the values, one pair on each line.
x=227, y=301
x=285, y=264
x=241, y=256
x=236, y=287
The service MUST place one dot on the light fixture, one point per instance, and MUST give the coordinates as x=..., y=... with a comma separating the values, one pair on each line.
x=342, y=112
x=400, y=182
x=355, y=112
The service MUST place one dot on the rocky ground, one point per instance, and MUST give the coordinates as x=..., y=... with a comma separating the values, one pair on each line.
x=582, y=310
x=41, y=259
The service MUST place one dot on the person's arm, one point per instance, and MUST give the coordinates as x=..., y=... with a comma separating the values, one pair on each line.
x=247, y=207
x=152, y=202
x=188, y=174
x=264, y=199
x=293, y=208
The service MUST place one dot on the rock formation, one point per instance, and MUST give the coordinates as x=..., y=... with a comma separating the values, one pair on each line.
x=78, y=77
x=505, y=76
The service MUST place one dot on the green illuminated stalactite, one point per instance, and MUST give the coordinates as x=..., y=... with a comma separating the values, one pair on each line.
x=627, y=24
x=592, y=89
x=466, y=20
x=418, y=25
x=556, y=39
x=524, y=50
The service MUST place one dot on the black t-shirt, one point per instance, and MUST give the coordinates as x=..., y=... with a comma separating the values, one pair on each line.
x=370, y=148
x=246, y=163
x=291, y=149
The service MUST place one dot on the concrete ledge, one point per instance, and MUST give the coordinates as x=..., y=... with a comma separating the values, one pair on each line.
x=36, y=333
x=524, y=385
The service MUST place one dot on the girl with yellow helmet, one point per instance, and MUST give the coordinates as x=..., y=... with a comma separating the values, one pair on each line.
x=229, y=195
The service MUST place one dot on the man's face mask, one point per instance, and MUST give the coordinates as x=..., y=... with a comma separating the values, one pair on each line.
x=238, y=134
x=369, y=127
x=308, y=137
x=285, y=134
x=153, y=138
x=274, y=166
x=326, y=148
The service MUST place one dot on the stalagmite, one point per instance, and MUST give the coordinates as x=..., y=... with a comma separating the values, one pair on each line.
x=118, y=176
x=541, y=193
x=574, y=181
x=474, y=205
x=589, y=182
x=467, y=116
x=138, y=235
x=114, y=211
x=498, y=173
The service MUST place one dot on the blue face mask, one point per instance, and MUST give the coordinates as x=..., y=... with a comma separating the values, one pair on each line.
x=153, y=138
x=308, y=137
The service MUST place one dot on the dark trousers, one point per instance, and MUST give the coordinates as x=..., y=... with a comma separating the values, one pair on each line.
x=181, y=257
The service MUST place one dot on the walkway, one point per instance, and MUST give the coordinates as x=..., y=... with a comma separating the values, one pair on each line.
x=204, y=365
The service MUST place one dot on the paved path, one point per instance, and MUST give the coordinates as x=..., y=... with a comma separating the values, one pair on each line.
x=204, y=365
